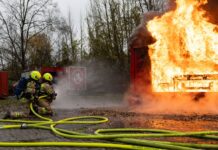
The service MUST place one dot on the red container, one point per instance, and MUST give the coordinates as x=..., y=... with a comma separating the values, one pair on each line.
x=140, y=65
x=3, y=84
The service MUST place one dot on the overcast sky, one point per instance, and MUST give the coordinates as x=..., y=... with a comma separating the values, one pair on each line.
x=77, y=8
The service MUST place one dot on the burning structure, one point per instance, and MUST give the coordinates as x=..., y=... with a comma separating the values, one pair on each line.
x=185, y=54
x=182, y=47
x=176, y=51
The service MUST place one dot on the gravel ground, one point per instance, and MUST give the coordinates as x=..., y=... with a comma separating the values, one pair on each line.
x=119, y=118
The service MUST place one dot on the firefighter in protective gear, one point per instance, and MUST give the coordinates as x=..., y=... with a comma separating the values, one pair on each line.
x=29, y=95
x=32, y=87
x=46, y=95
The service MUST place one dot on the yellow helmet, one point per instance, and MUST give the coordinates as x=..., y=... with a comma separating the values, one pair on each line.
x=47, y=77
x=35, y=75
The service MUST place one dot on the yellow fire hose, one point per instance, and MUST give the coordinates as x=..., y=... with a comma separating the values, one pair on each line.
x=124, y=138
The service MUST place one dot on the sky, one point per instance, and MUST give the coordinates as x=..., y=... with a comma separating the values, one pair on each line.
x=77, y=8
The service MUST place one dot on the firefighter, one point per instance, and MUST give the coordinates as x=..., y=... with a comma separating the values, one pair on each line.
x=29, y=94
x=46, y=95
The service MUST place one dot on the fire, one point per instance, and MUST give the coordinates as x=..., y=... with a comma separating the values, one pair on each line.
x=185, y=55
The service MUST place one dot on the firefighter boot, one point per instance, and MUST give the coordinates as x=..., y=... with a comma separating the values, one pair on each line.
x=18, y=115
x=44, y=111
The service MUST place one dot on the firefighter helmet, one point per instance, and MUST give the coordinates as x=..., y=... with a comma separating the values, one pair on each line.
x=47, y=77
x=35, y=75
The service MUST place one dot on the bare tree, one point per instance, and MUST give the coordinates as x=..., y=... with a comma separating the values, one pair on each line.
x=110, y=24
x=40, y=50
x=151, y=5
x=66, y=42
x=82, y=41
x=22, y=20
x=73, y=43
x=1, y=60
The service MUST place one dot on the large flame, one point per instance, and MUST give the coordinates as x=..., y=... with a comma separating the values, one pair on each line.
x=185, y=55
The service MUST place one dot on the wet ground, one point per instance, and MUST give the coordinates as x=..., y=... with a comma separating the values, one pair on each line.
x=119, y=116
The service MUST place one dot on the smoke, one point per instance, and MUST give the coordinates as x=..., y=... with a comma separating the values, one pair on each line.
x=211, y=11
x=141, y=36
x=101, y=89
x=140, y=96
x=177, y=103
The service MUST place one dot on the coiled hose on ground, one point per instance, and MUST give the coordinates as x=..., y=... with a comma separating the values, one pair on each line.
x=123, y=138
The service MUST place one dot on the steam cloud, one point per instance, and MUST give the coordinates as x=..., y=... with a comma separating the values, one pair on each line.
x=99, y=85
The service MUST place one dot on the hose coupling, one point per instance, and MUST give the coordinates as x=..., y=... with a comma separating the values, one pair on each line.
x=24, y=126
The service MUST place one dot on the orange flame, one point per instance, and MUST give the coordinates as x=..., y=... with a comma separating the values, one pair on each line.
x=185, y=55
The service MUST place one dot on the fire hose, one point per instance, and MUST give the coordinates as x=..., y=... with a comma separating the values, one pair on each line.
x=120, y=138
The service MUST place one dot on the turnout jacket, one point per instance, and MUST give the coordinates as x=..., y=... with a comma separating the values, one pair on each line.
x=47, y=91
